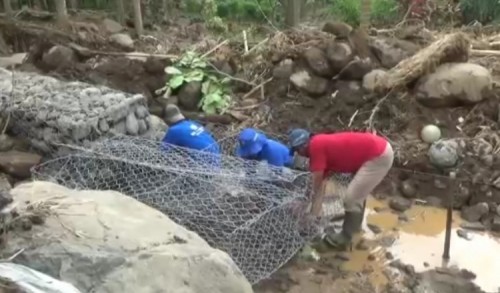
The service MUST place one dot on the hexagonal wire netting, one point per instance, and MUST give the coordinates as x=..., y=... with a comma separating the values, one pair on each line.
x=253, y=212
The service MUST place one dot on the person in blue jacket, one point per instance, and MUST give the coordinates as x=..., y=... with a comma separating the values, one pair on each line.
x=186, y=133
x=254, y=145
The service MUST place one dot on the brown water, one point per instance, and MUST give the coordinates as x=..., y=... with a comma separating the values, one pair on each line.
x=420, y=242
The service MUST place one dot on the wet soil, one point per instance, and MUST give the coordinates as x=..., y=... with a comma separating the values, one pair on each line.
x=404, y=253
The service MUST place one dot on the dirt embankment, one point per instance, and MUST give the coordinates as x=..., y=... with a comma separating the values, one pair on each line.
x=318, y=82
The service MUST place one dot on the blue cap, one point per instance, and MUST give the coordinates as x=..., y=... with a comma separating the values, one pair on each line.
x=251, y=142
x=298, y=137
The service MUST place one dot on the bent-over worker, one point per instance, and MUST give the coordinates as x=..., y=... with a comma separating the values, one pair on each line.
x=368, y=156
x=254, y=145
x=187, y=133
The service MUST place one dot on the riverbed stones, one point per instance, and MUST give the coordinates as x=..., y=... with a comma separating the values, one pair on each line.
x=399, y=204
x=339, y=54
x=48, y=111
x=340, y=29
x=444, y=153
x=408, y=189
x=476, y=212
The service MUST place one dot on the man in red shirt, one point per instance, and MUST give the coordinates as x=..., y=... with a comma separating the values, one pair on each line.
x=366, y=155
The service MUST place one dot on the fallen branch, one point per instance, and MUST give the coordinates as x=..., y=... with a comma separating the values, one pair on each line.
x=375, y=110
x=214, y=49
x=88, y=52
x=476, y=52
x=259, y=86
x=230, y=76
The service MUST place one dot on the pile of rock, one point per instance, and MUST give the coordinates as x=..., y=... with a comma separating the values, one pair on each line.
x=48, y=111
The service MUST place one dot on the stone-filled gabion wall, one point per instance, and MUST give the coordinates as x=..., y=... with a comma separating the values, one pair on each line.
x=50, y=112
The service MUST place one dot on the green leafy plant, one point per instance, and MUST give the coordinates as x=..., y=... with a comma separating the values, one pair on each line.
x=191, y=67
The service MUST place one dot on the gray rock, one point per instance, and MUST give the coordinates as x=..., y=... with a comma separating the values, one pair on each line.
x=476, y=212
x=399, y=204
x=131, y=124
x=495, y=225
x=311, y=84
x=18, y=164
x=141, y=112
x=356, y=69
x=283, y=70
x=475, y=226
x=453, y=84
x=103, y=125
x=339, y=29
x=317, y=61
x=190, y=96
x=339, y=54
x=372, y=78
x=143, y=127
x=464, y=234
x=123, y=40
x=408, y=189
x=498, y=210
x=59, y=56
x=392, y=51
x=112, y=26
x=444, y=153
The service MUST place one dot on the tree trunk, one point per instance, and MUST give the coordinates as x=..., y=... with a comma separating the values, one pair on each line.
x=138, y=17
x=7, y=7
x=73, y=4
x=38, y=5
x=61, y=11
x=292, y=13
x=366, y=8
x=120, y=11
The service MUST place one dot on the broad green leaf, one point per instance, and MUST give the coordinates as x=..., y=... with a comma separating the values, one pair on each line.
x=205, y=86
x=176, y=81
x=172, y=70
x=194, y=75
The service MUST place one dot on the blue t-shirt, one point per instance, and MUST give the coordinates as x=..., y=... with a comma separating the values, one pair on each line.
x=192, y=135
x=275, y=153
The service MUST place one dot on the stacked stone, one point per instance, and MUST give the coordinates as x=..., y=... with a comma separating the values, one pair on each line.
x=49, y=111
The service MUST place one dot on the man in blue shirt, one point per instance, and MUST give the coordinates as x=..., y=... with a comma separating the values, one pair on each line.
x=254, y=145
x=189, y=134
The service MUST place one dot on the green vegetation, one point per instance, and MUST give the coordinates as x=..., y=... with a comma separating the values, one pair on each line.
x=191, y=67
x=484, y=11
x=382, y=12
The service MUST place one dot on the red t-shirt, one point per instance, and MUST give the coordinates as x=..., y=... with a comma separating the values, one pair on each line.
x=343, y=152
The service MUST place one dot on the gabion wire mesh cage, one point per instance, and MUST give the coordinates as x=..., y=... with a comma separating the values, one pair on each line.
x=255, y=213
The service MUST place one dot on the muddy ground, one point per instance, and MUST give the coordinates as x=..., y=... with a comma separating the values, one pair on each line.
x=400, y=118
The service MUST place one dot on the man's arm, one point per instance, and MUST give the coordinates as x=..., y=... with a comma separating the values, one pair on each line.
x=317, y=166
x=317, y=193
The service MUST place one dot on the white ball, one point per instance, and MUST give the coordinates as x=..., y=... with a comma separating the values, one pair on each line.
x=430, y=133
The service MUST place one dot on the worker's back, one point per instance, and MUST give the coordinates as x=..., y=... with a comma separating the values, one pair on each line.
x=189, y=134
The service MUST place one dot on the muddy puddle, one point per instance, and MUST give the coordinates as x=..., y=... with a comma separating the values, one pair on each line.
x=416, y=238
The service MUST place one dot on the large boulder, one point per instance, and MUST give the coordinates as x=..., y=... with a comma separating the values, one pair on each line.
x=339, y=54
x=104, y=241
x=392, y=51
x=310, y=84
x=454, y=84
x=318, y=62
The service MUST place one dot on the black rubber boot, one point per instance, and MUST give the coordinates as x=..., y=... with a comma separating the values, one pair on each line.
x=352, y=224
